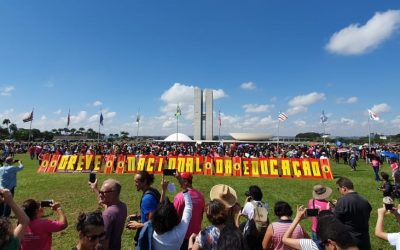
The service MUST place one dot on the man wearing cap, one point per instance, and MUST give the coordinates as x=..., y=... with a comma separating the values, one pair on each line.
x=8, y=180
x=185, y=181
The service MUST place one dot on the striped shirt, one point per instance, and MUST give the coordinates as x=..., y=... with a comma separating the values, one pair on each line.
x=279, y=228
x=308, y=244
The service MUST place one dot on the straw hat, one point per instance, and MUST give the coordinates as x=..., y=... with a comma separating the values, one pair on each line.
x=225, y=194
x=321, y=192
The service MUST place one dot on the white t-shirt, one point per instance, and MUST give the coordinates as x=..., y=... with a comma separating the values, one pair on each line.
x=248, y=208
x=394, y=240
x=308, y=244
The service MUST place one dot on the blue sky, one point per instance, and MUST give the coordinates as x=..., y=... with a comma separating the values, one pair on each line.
x=259, y=57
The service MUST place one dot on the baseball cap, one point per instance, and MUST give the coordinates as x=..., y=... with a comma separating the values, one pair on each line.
x=186, y=176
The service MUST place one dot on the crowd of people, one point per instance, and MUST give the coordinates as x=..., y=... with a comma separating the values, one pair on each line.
x=165, y=223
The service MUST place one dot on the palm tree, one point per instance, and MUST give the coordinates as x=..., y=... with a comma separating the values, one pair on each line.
x=6, y=122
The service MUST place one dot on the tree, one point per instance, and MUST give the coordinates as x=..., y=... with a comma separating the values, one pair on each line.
x=73, y=130
x=7, y=122
x=13, y=128
x=124, y=134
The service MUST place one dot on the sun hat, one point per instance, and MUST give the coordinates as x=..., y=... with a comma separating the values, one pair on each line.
x=9, y=160
x=388, y=200
x=225, y=194
x=321, y=192
x=186, y=176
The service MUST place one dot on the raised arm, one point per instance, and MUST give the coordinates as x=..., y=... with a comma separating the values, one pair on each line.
x=23, y=219
x=286, y=239
x=62, y=219
x=379, y=232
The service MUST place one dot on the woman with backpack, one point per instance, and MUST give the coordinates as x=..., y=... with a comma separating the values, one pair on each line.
x=256, y=213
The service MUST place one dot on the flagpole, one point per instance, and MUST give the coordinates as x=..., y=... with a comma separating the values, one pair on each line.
x=277, y=140
x=177, y=122
x=219, y=125
x=137, y=123
x=323, y=136
x=98, y=135
x=369, y=135
x=30, y=128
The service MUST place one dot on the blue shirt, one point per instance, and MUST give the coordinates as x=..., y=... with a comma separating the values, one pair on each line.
x=8, y=176
x=149, y=204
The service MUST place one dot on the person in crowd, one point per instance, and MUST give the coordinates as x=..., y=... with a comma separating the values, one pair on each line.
x=186, y=183
x=387, y=187
x=393, y=165
x=148, y=202
x=39, y=232
x=227, y=195
x=376, y=164
x=275, y=231
x=331, y=232
x=90, y=227
x=231, y=238
x=10, y=238
x=208, y=237
x=253, y=237
x=169, y=229
x=8, y=180
x=319, y=201
x=354, y=211
x=353, y=161
x=392, y=238
x=114, y=214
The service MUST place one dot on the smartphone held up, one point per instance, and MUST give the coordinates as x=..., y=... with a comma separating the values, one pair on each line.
x=92, y=177
x=46, y=203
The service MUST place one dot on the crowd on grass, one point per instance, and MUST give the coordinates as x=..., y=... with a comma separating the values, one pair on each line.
x=176, y=222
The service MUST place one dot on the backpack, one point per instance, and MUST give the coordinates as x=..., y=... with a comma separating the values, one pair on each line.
x=260, y=216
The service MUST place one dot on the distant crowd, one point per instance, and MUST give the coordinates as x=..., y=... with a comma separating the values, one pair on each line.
x=177, y=223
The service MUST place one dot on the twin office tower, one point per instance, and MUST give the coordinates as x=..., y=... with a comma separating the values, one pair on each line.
x=199, y=116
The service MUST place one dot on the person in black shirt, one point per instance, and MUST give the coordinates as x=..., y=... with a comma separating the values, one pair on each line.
x=354, y=211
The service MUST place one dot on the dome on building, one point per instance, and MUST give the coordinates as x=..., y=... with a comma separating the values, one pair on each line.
x=178, y=137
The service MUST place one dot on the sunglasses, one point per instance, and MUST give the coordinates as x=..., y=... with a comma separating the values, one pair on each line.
x=95, y=237
x=105, y=192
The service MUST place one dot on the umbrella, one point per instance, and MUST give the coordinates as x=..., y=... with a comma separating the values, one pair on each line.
x=343, y=150
x=390, y=154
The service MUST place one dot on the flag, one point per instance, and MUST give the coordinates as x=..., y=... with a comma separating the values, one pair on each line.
x=178, y=111
x=137, y=118
x=323, y=117
x=101, y=119
x=219, y=119
x=372, y=115
x=29, y=118
x=68, y=118
x=282, y=116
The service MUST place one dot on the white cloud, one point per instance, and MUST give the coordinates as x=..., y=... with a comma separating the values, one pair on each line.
x=97, y=103
x=296, y=110
x=58, y=112
x=305, y=100
x=80, y=117
x=347, y=121
x=218, y=94
x=248, y=86
x=255, y=108
x=349, y=100
x=380, y=108
x=358, y=39
x=7, y=90
x=300, y=123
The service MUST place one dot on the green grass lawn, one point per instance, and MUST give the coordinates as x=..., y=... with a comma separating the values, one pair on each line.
x=72, y=191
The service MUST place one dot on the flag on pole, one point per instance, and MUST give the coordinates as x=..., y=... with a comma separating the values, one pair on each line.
x=68, y=118
x=178, y=111
x=282, y=116
x=101, y=119
x=323, y=117
x=137, y=118
x=219, y=118
x=29, y=118
x=372, y=115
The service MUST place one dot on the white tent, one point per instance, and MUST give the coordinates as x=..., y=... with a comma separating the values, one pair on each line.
x=178, y=137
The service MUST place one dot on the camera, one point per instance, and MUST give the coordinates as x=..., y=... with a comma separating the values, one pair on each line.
x=92, y=177
x=312, y=212
x=388, y=207
x=169, y=172
x=15, y=161
x=46, y=203
x=134, y=218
